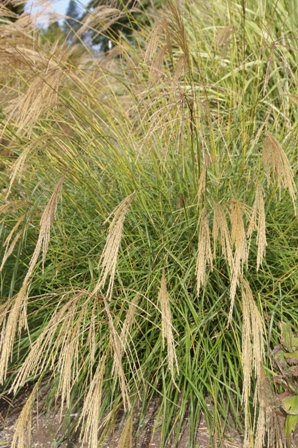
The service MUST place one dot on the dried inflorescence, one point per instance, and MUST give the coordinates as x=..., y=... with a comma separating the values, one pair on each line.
x=109, y=257
x=167, y=327
x=277, y=166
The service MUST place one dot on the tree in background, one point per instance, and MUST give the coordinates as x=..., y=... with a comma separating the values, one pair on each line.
x=131, y=14
x=73, y=16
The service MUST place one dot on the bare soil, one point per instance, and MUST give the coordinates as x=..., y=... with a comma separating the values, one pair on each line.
x=47, y=431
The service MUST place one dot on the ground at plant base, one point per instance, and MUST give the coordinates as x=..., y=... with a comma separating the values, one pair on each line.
x=47, y=433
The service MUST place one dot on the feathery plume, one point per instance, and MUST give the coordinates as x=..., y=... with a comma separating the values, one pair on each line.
x=239, y=243
x=46, y=221
x=41, y=96
x=278, y=166
x=266, y=420
x=116, y=347
x=129, y=319
x=17, y=168
x=68, y=362
x=102, y=17
x=202, y=183
x=258, y=222
x=91, y=408
x=166, y=326
x=108, y=259
x=10, y=247
x=156, y=68
x=205, y=255
x=22, y=434
x=252, y=347
x=52, y=340
x=224, y=38
x=221, y=231
x=12, y=206
x=154, y=40
x=9, y=330
x=125, y=440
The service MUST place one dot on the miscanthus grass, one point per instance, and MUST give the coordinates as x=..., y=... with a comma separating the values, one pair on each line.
x=148, y=219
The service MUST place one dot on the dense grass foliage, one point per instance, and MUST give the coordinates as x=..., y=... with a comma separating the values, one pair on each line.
x=148, y=219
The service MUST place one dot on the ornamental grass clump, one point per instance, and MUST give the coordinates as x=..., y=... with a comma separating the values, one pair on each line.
x=148, y=220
